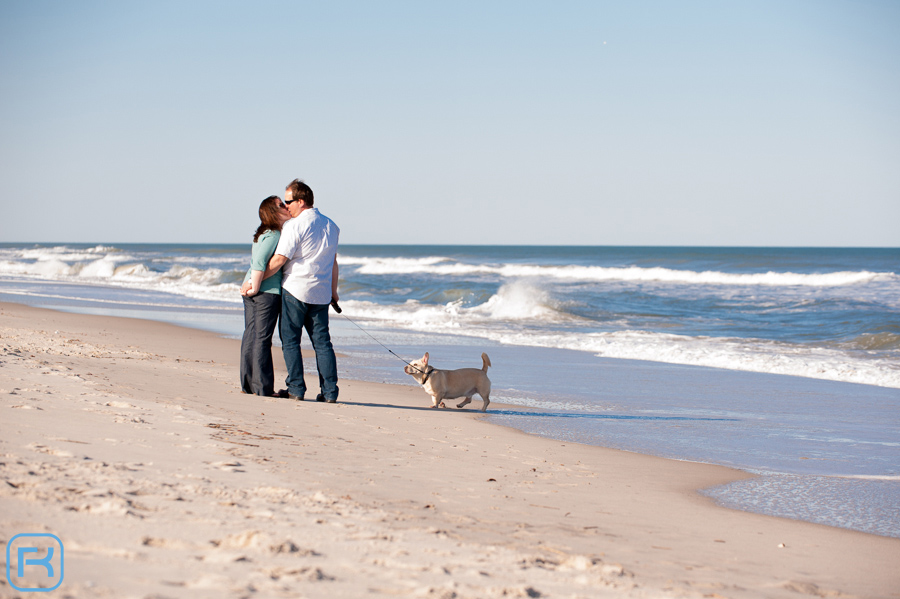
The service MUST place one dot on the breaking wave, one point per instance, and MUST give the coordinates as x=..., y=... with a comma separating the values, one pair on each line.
x=529, y=304
x=752, y=355
x=441, y=266
x=116, y=268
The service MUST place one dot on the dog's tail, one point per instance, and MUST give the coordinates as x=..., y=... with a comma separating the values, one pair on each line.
x=486, y=362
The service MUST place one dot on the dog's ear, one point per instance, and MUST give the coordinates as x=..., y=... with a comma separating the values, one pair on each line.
x=425, y=360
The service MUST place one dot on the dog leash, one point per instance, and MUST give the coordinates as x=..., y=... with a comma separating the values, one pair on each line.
x=427, y=373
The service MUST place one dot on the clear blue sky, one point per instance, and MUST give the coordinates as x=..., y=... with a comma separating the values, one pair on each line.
x=596, y=123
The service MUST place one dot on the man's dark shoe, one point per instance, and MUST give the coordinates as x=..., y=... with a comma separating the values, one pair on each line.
x=321, y=397
x=292, y=396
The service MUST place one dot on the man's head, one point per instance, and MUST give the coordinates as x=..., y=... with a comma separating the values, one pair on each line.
x=298, y=197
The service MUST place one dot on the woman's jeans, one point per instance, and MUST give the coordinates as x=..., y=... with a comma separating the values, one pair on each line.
x=296, y=316
x=260, y=317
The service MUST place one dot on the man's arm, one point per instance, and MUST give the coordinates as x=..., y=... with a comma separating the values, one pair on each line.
x=275, y=264
x=334, y=281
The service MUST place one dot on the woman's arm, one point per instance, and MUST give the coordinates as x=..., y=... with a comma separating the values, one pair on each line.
x=263, y=248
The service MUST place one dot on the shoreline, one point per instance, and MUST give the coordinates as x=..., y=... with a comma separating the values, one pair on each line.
x=401, y=490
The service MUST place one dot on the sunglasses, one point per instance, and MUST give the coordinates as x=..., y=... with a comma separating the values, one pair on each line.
x=282, y=206
x=289, y=202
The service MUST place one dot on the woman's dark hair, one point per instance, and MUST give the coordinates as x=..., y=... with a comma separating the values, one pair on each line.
x=268, y=216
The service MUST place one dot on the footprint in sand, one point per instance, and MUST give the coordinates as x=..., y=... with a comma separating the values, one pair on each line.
x=121, y=404
x=49, y=450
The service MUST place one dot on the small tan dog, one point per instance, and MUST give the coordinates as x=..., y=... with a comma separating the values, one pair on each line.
x=450, y=384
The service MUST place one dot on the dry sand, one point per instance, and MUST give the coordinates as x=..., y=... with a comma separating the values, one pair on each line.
x=131, y=442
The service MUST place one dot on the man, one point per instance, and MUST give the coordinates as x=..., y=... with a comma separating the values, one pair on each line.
x=308, y=252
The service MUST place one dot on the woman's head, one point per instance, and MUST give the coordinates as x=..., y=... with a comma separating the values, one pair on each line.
x=272, y=214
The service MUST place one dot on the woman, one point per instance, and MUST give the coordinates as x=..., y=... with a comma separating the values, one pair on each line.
x=262, y=302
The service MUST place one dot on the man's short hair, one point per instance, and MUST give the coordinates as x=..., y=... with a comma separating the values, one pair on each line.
x=300, y=191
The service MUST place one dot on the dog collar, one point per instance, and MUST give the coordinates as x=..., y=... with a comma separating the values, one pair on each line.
x=428, y=374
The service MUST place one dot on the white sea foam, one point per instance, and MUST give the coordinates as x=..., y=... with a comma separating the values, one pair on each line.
x=495, y=320
x=238, y=261
x=103, y=268
x=63, y=253
x=515, y=301
x=518, y=301
x=113, y=302
x=49, y=268
x=752, y=355
x=521, y=312
x=885, y=477
x=110, y=267
x=436, y=265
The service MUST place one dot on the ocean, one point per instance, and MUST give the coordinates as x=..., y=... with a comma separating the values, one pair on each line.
x=784, y=362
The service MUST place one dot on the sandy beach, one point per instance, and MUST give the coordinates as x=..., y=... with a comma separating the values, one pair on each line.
x=131, y=442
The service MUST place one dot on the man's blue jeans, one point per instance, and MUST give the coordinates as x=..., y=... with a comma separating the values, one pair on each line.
x=296, y=316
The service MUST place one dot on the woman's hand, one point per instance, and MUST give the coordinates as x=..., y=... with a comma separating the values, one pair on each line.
x=251, y=287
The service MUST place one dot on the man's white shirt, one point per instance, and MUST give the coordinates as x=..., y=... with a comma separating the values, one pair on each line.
x=310, y=243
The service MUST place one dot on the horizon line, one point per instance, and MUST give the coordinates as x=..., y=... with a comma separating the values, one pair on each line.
x=486, y=245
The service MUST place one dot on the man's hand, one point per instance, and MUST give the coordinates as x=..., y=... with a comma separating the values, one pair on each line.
x=335, y=275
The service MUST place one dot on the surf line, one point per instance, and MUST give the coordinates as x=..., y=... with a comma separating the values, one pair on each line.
x=337, y=309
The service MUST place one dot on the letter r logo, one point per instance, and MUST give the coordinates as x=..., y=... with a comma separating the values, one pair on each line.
x=34, y=562
x=23, y=561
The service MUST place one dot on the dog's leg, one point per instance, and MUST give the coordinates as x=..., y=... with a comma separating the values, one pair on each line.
x=487, y=401
x=465, y=402
x=434, y=401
